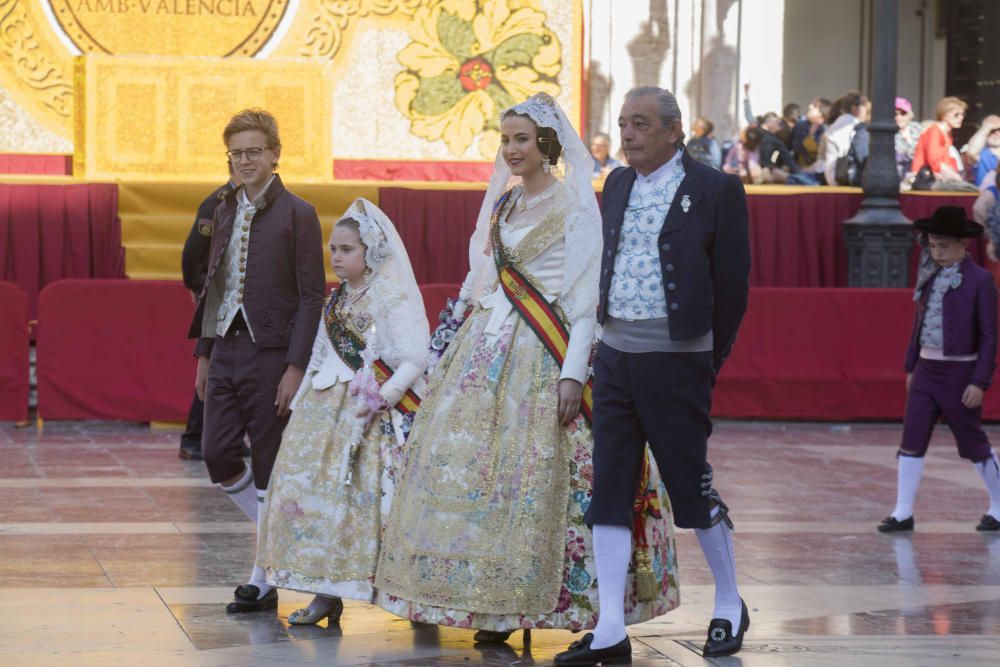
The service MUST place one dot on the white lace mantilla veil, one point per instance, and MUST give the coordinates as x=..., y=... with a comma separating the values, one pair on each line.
x=400, y=319
x=582, y=228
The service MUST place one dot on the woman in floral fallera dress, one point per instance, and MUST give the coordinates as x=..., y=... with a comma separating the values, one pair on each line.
x=487, y=529
x=333, y=480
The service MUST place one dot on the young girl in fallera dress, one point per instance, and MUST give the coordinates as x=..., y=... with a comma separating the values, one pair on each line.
x=487, y=530
x=333, y=481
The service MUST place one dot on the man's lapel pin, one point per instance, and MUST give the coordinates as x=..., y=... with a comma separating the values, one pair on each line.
x=685, y=203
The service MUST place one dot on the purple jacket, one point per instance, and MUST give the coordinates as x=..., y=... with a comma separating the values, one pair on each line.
x=285, y=280
x=970, y=322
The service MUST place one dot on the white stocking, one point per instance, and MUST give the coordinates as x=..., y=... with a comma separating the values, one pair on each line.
x=989, y=470
x=243, y=494
x=717, y=545
x=257, y=577
x=911, y=468
x=612, y=553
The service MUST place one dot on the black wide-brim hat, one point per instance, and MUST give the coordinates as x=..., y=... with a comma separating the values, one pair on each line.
x=949, y=221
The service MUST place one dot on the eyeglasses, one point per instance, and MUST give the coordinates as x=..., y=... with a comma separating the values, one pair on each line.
x=252, y=154
x=900, y=112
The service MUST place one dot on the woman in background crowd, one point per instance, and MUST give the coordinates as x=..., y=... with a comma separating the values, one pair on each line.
x=847, y=113
x=936, y=149
x=907, y=135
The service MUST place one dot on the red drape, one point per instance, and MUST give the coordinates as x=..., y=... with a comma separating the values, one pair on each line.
x=435, y=297
x=435, y=226
x=831, y=354
x=22, y=163
x=114, y=349
x=797, y=239
x=395, y=170
x=13, y=353
x=50, y=232
x=117, y=350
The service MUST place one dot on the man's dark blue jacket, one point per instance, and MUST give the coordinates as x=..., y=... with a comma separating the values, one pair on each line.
x=704, y=252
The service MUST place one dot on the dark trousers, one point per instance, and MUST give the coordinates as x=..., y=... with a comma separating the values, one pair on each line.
x=239, y=399
x=663, y=398
x=195, y=421
x=936, y=389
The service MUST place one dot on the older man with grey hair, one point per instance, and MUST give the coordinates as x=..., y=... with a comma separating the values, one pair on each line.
x=674, y=286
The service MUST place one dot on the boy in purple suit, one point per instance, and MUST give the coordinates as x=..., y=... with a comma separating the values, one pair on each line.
x=949, y=364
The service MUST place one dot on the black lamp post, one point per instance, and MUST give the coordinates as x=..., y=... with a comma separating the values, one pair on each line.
x=879, y=237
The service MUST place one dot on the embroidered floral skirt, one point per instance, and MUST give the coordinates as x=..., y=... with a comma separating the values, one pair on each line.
x=317, y=534
x=487, y=528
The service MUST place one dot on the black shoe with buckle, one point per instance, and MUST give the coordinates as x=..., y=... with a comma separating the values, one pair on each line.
x=721, y=640
x=245, y=600
x=988, y=524
x=579, y=653
x=891, y=524
x=190, y=451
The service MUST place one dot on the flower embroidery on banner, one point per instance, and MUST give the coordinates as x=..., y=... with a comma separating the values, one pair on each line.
x=468, y=61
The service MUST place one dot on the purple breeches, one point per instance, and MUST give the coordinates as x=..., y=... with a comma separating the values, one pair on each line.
x=936, y=390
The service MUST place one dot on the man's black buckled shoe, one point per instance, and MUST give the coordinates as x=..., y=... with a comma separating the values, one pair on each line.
x=245, y=600
x=892, y=525
x=988, y=524
x=720, y=635
x=579, y=653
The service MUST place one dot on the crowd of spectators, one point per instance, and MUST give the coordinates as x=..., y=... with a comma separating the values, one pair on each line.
x=828, y=145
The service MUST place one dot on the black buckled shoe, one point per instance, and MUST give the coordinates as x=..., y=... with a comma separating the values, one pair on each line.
x=190, y=451
x=245, y=600
x=721, y=640
x=579, y=653
x=892, y=525
x=988, y=524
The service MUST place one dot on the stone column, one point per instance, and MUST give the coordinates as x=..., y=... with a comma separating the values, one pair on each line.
x=879, y=237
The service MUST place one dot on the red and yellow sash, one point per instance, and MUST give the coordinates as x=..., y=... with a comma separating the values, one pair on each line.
x=544, y=321
x=548, y=325
x=349, y=345
x=409, y=403
x=533, y=307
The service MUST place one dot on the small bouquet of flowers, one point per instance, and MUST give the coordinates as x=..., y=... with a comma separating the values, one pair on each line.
x=364, y=388
x=445, y=332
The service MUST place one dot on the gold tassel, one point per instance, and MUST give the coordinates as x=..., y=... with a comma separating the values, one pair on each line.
x=646, y=586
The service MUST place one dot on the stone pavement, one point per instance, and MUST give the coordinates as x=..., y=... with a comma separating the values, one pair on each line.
x=114, y=552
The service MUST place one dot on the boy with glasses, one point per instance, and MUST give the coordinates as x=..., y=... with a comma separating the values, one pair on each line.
x=255, y=321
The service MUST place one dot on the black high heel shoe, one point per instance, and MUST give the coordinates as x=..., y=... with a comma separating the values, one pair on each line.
x=721, y=640
x=309, y=617
x=494, y=637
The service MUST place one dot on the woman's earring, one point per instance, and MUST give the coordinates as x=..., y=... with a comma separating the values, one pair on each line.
x=546, y=165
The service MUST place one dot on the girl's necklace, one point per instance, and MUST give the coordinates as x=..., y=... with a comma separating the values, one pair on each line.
x=352, y=297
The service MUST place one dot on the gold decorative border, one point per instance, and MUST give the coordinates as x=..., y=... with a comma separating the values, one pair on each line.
x=325, y=34
x=264, y=31
x=30, y=65
x=250, y=46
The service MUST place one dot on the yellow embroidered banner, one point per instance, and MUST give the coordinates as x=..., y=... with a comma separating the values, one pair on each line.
x=137, y=120
x=417, y=85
